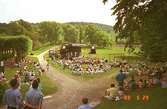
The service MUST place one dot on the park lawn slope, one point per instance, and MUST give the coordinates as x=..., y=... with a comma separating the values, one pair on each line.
x=157, y=100
x=36, y=52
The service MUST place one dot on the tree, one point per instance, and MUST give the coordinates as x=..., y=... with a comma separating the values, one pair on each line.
x=71, y=33
x=81, y=29
x=91, y=33
x=14, y=28
x=50, y=31
x=147, y=19
x=154, y=32
x=95, y=35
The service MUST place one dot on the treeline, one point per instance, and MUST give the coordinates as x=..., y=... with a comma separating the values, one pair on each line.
x=58, y=33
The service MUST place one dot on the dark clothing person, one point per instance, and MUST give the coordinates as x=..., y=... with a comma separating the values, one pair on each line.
x=120, y=78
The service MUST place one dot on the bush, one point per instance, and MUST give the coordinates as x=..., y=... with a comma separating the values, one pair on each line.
x=17, y=46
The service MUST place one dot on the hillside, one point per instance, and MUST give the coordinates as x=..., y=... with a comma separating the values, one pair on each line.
x=107, y=28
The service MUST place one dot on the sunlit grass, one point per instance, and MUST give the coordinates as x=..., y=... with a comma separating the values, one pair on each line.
x=157, y=100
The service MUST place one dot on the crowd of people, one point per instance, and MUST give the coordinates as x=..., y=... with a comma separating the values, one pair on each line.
x=29, y=72
x=87, y=65
x=136, y=76
x=13, y=98
x=130, y=77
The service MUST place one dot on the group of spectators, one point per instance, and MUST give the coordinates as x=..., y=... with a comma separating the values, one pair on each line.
x=136, y=76
x=28, y=72
x=13, y=98
x=87, y=65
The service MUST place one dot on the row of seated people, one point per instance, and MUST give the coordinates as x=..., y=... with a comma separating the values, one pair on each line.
x=137, y=76
x=28, y=70
x=85, y=65
x=118, y=92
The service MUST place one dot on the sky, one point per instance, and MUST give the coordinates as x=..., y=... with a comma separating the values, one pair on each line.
x=57, y=10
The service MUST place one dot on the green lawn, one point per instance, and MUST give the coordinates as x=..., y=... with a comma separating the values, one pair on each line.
x=109, y=53
x=10, y=72
x=157, y=100
x=42, y=49
x=48, y=85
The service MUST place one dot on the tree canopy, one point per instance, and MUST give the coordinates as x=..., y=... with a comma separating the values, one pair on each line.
x=56, y=33
x=146, y=19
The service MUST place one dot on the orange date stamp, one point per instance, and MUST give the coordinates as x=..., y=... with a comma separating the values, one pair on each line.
x=138, y=98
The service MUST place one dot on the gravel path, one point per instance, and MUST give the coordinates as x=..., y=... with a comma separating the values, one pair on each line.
x=71, y=91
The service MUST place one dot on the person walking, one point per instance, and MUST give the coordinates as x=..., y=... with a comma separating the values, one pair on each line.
x=12, y=97
x=34, y=97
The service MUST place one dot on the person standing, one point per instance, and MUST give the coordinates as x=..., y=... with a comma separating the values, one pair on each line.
x=12, y=97
x=34, y=97
x=85, y=104
x=2, y=67
x=120, y=77
x=47, y=67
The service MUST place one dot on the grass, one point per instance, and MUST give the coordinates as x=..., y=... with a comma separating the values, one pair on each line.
x=40, y=50
x=108, y=53
x=48, y=85
x=10, y=72
x=157, y=100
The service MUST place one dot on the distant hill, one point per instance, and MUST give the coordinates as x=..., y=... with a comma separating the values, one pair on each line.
x=105, y=27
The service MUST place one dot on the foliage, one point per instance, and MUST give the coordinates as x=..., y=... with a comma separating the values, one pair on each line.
x=143, y=20
x=56, y=33
x=14, y=46
x=51, y=31
x=71, y=33
x=154, y=44
x=95, y=35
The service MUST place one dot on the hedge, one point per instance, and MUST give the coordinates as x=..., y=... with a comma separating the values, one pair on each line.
x=14, y=46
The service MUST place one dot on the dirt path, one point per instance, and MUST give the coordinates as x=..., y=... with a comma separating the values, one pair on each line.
x=71, y=91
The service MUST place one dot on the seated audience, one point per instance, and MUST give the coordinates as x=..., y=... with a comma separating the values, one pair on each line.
x=132, y=83
x=140, y=84
x=2, y=77
x=85, y=104
x=111, y=92
x=121, y=92
x=163, y=83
